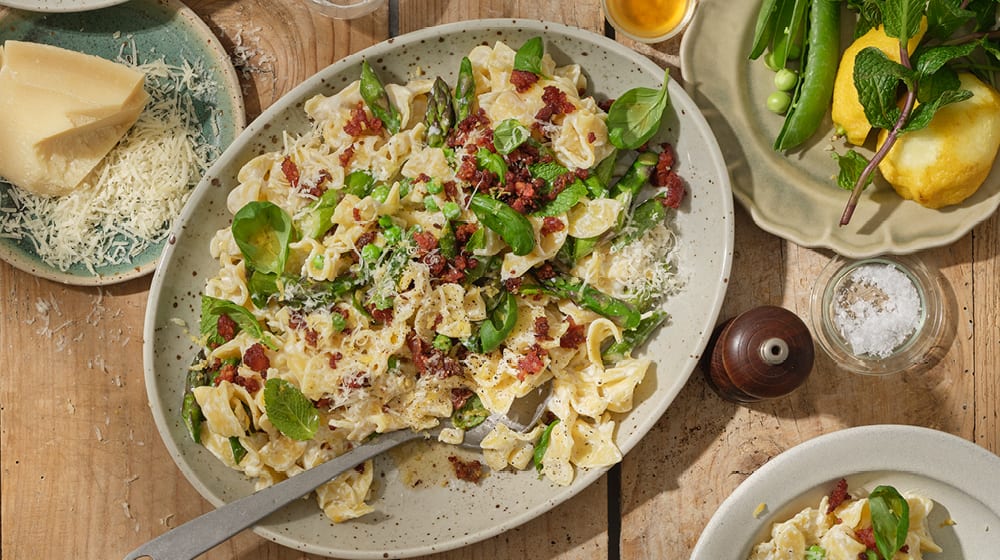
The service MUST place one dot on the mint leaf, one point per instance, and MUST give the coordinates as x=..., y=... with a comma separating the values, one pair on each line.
x=508, y=135
x=289, y=410
x=922, y=114
x=548, y=172
x=945, y=17
x=877, y=78
x=851, y=165
x=565, y=200
x=815, y=552
x=902, y=18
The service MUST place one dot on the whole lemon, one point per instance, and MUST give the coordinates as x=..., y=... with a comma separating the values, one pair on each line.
x=847, y=111
x=946, y=162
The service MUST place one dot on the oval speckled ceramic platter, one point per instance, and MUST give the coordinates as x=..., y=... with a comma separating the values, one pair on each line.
x=158, y=29
x=409, y=522
x=60, y=5
x=965, y=521
x=795, y=196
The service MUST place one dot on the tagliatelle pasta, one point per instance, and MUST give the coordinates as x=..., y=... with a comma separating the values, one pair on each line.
x=426, y=252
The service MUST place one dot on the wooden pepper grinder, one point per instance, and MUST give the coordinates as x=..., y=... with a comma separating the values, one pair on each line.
x=763, y=353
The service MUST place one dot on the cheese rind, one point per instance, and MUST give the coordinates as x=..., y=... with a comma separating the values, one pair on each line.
x=61, y=112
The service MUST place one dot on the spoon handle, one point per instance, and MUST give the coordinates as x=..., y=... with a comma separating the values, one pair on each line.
x=206, y=531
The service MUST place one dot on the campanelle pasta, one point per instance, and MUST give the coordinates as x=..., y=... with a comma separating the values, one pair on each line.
x=362, y=288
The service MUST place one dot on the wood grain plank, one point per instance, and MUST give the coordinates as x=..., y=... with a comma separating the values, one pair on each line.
x=985, y=337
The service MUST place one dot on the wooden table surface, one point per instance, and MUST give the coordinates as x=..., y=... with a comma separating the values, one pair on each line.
x=85, y=475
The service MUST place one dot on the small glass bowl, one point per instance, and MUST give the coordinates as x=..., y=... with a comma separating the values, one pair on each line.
x=610, y=13
x=912, y=351
x=345, y=9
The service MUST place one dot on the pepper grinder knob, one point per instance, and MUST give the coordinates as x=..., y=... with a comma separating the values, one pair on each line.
x=764, y=353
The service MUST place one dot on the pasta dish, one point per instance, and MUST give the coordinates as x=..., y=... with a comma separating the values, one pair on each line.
x=886, y=524
x=426, y=254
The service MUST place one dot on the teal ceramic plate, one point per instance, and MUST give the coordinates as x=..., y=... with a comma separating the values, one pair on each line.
x=60, y=5
x=158, y=29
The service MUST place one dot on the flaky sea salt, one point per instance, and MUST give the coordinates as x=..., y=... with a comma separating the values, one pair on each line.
x=877, y=308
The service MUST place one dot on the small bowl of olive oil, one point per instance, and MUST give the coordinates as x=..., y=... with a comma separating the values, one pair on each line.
x=649, y=21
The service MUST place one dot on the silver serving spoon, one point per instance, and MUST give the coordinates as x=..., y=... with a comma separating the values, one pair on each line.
x=211, y=529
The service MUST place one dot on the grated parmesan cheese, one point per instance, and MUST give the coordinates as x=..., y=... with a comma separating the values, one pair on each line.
x=645, y=268
x=128, y=204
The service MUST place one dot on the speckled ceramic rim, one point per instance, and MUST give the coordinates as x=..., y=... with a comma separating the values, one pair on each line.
x=688, y=14
x=912, y=351
x=521, y=496
x=908, y=457
x=146, y=262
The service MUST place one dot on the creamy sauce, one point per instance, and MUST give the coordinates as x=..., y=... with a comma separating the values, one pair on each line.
x=647, y=18
x=424, y=463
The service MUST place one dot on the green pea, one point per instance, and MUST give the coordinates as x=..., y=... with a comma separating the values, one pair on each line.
x=381, y=193
x=393, y=234
x=451, y=210
x=317, y=262
x=434, y=186
x=385, y=221
x=770, y=62
x=785, y=79
x=442, y=343
x=430, y=205
x=778, y=102
x=371, y=252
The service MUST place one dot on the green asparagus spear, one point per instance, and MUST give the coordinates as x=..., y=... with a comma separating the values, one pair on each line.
x=591, y=298
x=634, y=337
x=377, y=99
x=465, y=91
x=644, y=218
x=440, y=115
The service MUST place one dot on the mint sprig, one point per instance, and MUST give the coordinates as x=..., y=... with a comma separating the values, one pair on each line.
x=289, y=410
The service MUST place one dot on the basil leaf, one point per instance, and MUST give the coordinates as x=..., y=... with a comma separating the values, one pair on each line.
x=212, y=308
x=890, y=519
x=500, y=323
x=528, y=58
x=289, y=410
x=635, y=116
x=543, y=445
x=508, y=135
x=262, y=231
x=472, y=414
x=564, y=201
x=262, y=286
x=489, y=161
x=377, y=99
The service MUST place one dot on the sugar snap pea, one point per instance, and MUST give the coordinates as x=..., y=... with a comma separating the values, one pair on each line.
x=508, y=223
x=812, y=96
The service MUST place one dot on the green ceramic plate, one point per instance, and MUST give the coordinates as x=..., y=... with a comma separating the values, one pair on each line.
x=159, y=29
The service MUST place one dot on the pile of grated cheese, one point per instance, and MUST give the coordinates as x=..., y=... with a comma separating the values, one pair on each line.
x=647, y=267
x=128, y=204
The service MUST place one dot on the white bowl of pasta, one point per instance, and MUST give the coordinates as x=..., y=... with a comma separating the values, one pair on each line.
x=484, y=297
